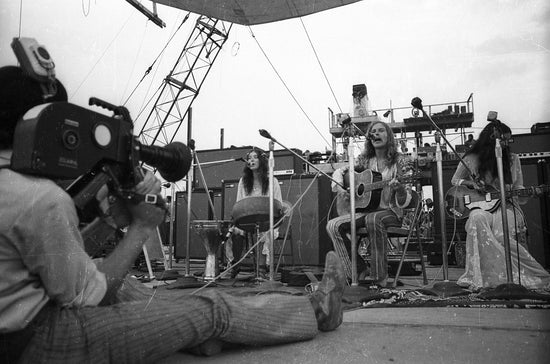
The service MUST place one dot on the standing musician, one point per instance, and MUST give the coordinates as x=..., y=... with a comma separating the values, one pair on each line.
x=485, y=264
x=379, y=155
x=254, y=182
x=59, y=305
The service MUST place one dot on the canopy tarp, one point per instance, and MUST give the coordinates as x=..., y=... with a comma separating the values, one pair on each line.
x=250, y=12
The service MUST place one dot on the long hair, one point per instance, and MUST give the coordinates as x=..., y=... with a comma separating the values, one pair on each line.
x=484, y=150
x=248, y=176
x=391, y=146
x=18, y=94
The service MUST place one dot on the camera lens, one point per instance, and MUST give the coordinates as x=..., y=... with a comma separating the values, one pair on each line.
x=42, y=52
x=70, y=139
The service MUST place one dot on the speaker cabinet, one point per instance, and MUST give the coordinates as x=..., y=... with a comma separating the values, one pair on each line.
x=307, y=240
x=530, y=143
x=200, y=210
x=220, y=165
x=536, y=171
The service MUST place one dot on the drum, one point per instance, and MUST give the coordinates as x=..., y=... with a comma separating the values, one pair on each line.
x=252, y=212
x=211, y=233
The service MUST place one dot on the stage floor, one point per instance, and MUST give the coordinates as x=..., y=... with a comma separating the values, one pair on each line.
x=413, y=323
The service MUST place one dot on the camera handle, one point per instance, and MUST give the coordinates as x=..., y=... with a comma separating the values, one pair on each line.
x=117, y=110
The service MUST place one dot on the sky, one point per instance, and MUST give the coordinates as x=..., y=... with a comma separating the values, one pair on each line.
x=439, y=50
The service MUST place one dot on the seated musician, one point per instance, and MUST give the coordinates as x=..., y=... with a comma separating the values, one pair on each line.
x=380, y=155
x=254, y=182
x=485, y=259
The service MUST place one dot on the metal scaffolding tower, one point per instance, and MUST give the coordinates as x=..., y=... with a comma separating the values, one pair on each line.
x=183, y=83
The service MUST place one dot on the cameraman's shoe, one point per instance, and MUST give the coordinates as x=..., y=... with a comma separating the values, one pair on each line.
x=327, y=299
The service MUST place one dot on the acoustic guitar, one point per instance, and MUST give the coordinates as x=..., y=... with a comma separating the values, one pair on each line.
x=368, y=190
x=460, y=200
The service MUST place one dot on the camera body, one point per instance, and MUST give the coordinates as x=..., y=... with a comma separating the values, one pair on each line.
x=61, y=140
x=35, y=60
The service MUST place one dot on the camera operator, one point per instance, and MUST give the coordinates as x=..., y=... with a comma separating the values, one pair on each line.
x=59, y=305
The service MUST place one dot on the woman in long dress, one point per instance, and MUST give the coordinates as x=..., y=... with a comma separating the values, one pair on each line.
x=485, y=258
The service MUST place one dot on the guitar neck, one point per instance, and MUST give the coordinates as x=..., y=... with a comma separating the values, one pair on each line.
x=377, y=185
x=520, y=192
x=381, y=184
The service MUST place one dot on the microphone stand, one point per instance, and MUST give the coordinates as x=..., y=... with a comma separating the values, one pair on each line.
x=446, y=288
x=508, y=290
x=354, y=279
x=353, y=223
x=190, y=177
x=439, y=164
x=271, y=217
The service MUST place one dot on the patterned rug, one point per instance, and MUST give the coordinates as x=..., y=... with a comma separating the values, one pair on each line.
x=384, y=297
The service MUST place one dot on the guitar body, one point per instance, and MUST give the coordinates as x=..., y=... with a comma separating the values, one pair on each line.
x=366, y=198
x=460, y=200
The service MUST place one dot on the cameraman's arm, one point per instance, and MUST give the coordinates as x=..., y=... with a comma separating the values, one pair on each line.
x=145, y=218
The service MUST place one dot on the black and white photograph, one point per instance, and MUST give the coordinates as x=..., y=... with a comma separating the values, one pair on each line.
x=282, y=181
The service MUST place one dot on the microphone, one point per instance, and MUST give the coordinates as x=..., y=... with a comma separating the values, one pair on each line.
x=172, y=161
x=370, y=137
x=266, y=134
x=417, y=103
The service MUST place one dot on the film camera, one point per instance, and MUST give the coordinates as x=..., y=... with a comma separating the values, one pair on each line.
x=63, y=141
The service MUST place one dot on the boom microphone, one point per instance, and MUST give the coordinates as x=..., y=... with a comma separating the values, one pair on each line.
x=172, y=161
x=417, y=103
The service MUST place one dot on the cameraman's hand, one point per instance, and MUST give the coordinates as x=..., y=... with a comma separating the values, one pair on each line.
x=149, y=184
x=146, y=214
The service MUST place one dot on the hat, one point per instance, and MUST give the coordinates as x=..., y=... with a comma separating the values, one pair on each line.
x=18, y=94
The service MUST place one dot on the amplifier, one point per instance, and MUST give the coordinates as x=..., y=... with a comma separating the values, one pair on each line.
x=530, y=143
x=540, y=128
x=535, y=155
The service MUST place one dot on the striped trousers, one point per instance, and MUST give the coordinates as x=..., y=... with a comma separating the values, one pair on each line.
x=159, y=324
x=375, y=223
